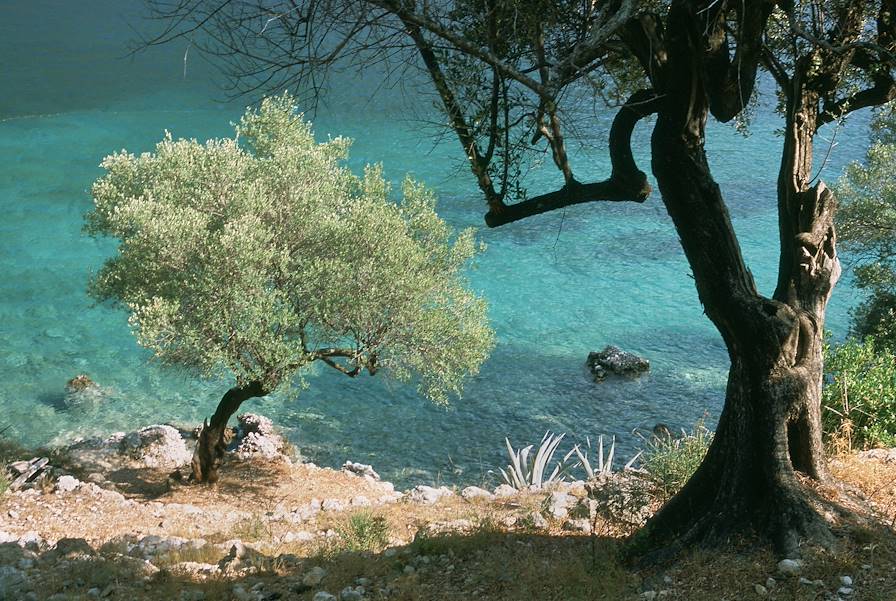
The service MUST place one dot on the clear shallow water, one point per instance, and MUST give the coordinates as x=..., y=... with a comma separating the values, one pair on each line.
x=560, y=285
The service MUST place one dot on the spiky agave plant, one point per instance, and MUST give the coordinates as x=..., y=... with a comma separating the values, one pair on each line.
x=604, y=466
x=522, y=474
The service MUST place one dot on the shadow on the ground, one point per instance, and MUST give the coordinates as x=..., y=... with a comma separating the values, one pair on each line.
x=486, y=563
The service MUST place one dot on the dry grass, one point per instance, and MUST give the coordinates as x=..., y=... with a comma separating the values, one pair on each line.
x=456, y=549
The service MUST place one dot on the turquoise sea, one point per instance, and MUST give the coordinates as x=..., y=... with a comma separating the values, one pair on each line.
x=560, y=285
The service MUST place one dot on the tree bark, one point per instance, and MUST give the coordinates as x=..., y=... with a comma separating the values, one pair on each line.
x=210, y=447
x=770, y=426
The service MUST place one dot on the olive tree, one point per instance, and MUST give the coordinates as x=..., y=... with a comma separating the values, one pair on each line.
x=255, y=256
x=515, y=77
x=867, y=219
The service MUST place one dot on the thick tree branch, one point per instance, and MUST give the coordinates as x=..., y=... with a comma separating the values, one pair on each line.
x=626, y=181
x=730, y=81
x=873, y=96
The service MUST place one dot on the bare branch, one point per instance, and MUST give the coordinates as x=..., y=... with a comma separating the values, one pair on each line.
x=626, y=181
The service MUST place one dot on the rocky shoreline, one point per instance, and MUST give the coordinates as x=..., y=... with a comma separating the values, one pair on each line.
x=104, y=519
x=112, y=502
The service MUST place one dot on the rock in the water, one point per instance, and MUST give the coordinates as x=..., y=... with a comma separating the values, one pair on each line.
x=79, y=383
x=257, y=437
x=157, y=447
x=81, y=390
x=613, y=360
x=360, y=469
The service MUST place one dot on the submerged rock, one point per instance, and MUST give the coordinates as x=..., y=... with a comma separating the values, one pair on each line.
x=613, y=360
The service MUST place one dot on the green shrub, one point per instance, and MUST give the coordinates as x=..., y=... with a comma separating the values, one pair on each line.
x=364, y=531
x=671, y=461
x=859, y=399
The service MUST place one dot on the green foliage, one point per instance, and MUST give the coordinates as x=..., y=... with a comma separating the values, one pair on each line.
x=364, y=532
x=867, y=226
x=670, y=461
x=257, y=255
x=859, y=400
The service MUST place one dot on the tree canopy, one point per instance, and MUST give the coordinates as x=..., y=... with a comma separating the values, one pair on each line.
x=257, y=255
x=867, y=219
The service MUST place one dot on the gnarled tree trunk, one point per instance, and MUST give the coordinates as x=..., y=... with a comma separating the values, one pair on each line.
x=210, y=447
x=770, y=427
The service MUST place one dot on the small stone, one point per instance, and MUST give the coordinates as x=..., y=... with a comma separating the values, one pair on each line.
x=363, y=581
x=350, y=594
x=770, y=583
x=67, y=484
x=844, y=590
x=314, y=576
x=648, y=595
x=429, y=495
x=409, y=569
x=790, y=567
x=242, y=594
x=323, y=596
x=866, y=566
x=538, y=521
x=474, y=492
x=846, y=580
x=760, y=590
x=333, y=505
x=505, y=490
x=298, y=537
x=558, y=504
x=360, y=469
x=94, y=593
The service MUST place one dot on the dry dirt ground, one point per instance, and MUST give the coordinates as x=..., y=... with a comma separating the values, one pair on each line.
x=271, y=530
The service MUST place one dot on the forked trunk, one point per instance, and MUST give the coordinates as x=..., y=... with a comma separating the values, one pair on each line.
x=770, y=427
x=211, y=445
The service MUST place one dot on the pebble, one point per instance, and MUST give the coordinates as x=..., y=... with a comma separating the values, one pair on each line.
x=760, y=590
x=323, y=596
x=844, y=590
x=474, y=492
x=770, y=583
x=648, y=595
x=790, y=567
x=314, y=576
x=846, y=580
x=409, y=569
x=350, y=594
x=241, y=594
x=67, y=484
